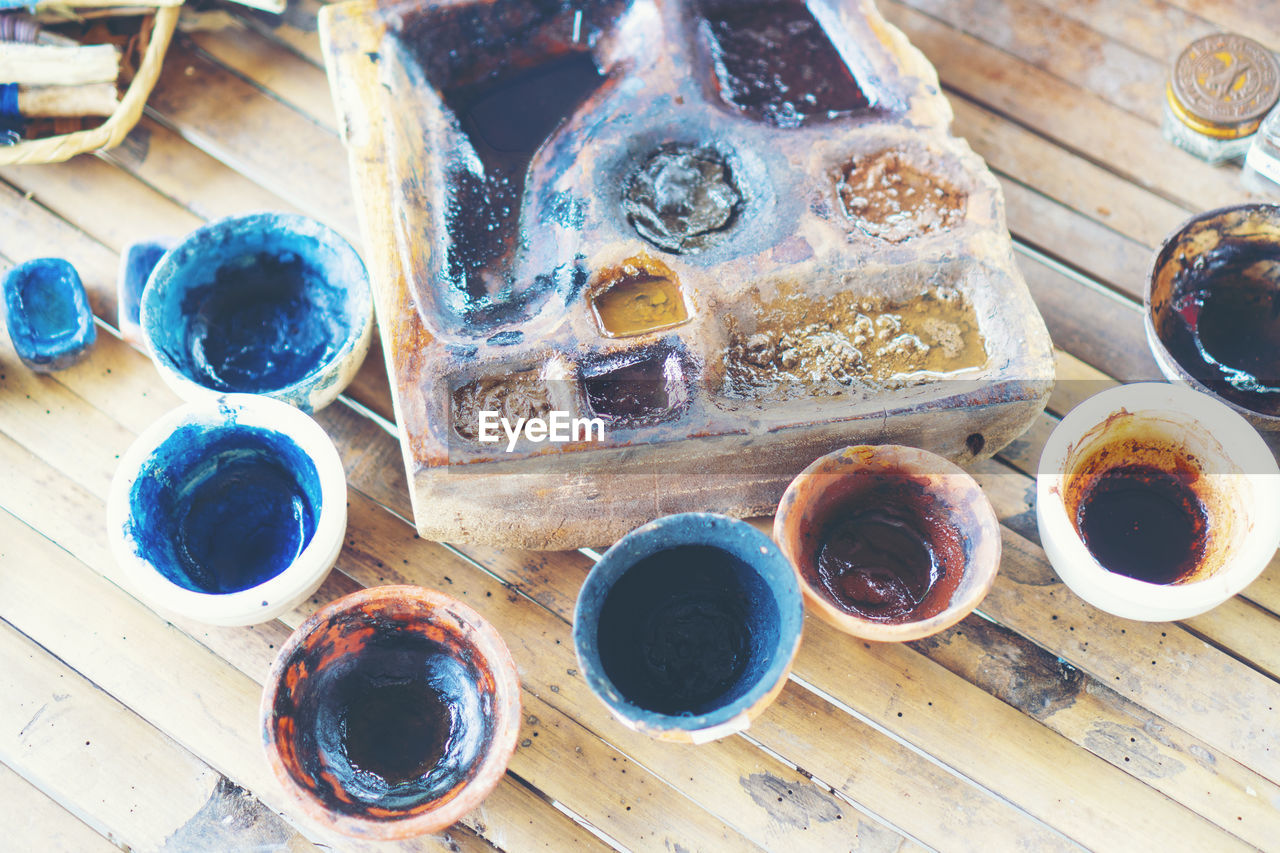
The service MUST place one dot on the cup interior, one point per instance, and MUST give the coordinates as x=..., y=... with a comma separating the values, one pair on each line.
x=900, y=533
x=255, y=304
x=1179, y=469
x=688, y=630
x=1214, y=307
x=222, y=508
x=385, y=709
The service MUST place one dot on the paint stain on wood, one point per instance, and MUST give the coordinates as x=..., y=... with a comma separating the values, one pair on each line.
x=1129, y=748
x=790, y=803
x=231, y=819
x=1012, y=668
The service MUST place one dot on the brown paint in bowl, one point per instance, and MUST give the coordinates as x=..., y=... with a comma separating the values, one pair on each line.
x=391, y=712
x=891, y=543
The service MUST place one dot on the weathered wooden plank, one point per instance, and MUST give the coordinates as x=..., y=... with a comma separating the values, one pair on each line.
x=38, y=823
x=1056, y=43
x=1096, y=326
x=1157, y=28
x=1119, y=731
x=122, y=210
x=1074, y=118
x=1092, y=190
x=314, y=182
x=1169, y=672
x=267, y=63
x=1076, y=240
x=1260, y=21
x=207, y=187
x=77, y=743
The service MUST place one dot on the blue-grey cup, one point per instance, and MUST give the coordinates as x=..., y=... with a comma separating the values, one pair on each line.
x=268, y=303
x=687, y=627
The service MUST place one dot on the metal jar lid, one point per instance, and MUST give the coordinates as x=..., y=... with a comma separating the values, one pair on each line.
x=1223, y=84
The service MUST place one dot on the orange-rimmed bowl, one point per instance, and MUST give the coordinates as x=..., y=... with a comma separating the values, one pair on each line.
x=391, y=712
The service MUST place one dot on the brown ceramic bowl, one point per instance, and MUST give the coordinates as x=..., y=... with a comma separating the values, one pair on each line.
x=1212, y=254
x=889, y=506
x=391, y=712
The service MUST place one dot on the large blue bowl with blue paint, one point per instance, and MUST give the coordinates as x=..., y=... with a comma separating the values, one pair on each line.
x=228, y=511
x=688, y=625
x=268, y=303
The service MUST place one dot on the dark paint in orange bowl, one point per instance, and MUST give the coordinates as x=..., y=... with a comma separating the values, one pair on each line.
x=391, y=712
x=891, y=543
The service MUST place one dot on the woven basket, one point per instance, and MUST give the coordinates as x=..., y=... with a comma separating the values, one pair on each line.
x=55, y=149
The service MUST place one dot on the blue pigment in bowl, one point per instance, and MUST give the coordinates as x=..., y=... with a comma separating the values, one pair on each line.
x=222, y=510
x=260, y=304
x=264, y=322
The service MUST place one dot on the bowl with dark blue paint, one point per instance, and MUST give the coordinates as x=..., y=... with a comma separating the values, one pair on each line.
x=228, y=511
x=48, y=315
x=268, y=303
x=391, y=712
x=137, y=262
x=687, y=627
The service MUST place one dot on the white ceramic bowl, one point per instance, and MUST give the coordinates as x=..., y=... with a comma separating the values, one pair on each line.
x=1239, y=486
x=228, y=511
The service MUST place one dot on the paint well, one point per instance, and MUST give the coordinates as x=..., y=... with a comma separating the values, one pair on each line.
x=222, y=510
x=47, y=313
x=385, y=717
x=687, y=630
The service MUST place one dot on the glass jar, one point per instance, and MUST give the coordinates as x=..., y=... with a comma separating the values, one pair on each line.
x=1262, y=165
x=1221, y=87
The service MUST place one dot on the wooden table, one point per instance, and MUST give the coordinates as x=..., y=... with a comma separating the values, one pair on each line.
x=1039, y=723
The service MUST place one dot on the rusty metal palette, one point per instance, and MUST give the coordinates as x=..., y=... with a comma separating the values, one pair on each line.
x=738, y=234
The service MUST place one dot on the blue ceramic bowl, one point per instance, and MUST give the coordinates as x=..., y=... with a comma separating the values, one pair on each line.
x=267, y=303
x=687, y=626
x=48, y=314
x=229, y=511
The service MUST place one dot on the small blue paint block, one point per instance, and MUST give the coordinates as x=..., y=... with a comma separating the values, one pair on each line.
x=136, y=263
x=48, y=315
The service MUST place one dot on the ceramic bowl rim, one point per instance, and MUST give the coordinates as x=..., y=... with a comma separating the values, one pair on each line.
x=1169, y=366
x=507, y=717
x=902, y=457
x=166, y=270
x=674, y=531
x=1124, y=596
x=299, y=579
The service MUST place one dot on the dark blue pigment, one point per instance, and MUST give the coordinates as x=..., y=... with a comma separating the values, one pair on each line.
x=220, y=511
x=266, y=321
x=47, y=312
x=140, y=259
x=397, y=723
x=773, y=62
x=506, y=118
x=687, y=630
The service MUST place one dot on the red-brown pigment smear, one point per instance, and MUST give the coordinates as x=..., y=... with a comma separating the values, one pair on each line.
x=889, y=555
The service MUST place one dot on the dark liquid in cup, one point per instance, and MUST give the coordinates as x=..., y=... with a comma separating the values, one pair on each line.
x=398, y=731
x=1144, y=523
x=876, y=564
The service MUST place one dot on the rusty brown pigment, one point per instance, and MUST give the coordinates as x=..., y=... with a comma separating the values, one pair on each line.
x=891, y=198
x=890, y=555
x=798, y=348
x=1145, y=523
